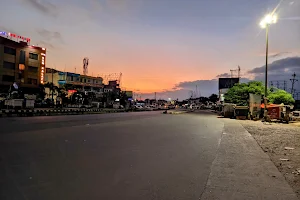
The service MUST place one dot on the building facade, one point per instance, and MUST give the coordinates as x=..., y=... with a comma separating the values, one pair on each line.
x=22, y=64
x=74, y=81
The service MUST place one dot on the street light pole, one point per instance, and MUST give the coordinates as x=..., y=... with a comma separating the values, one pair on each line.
x=266, y=73
x=265, y=23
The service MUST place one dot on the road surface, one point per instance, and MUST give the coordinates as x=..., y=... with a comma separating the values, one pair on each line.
x=146, y=155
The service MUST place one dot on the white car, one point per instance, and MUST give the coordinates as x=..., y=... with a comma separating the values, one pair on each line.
x=139, y=107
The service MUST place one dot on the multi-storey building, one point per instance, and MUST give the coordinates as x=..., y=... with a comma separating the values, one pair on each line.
x=74, y=81
x=20, y=63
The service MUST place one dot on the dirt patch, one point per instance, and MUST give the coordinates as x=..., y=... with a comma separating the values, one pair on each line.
x=282, y=143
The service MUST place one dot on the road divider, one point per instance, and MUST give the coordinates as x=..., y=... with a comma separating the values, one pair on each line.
x=52, y=112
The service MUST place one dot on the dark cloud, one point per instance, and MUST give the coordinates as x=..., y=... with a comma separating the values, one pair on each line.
x=279, y=66
x=280, y=72
x=224, y=75
x=50, y=35
x=43, y=6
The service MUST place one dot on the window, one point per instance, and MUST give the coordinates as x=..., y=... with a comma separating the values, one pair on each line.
x=33, y=56
x=9, y=65
x=22, y=57
x=8, y=78
x=32, y=69
x=61, y=77
x=9, y=50
x=32, y=81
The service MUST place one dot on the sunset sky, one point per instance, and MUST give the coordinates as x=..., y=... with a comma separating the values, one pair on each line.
x=164, y=46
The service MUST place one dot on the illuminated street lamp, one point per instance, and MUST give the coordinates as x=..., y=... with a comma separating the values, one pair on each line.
x=265, y=23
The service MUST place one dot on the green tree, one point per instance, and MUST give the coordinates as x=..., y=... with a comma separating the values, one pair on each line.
x=239, y=93
x=280, y=96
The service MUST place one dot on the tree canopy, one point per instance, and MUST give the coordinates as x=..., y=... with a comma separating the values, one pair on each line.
x=239, y=94
x=281, y=96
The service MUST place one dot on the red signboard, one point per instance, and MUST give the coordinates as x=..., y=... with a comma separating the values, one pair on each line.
x=274, y=112
x=72, y=91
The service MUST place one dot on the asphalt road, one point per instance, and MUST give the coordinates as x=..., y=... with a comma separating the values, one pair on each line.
x=145, y=155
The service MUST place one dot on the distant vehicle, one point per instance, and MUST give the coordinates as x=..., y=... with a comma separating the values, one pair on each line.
x=295, y=116
x=148, y=108
x=139, y=107
x=171, y=107
x=162, y=107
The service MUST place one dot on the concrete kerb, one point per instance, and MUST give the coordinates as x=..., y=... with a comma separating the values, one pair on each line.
x=241, y=170
x=47, y=112
x=44, y=112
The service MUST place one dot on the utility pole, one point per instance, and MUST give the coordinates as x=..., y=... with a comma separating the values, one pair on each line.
x=155, y=96
x=293, y=80
x=284, y=85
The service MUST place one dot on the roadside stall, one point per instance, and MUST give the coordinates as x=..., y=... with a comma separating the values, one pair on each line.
x=279, y=112
x=241, y=112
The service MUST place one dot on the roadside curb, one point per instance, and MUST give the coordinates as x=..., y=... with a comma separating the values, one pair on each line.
x=241, y=170
x=52, y=112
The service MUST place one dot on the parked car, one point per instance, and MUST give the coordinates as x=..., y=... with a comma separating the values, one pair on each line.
x=148, y=108
x=138, y=107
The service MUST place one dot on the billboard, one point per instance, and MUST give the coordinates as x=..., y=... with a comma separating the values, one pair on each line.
x=227, y=82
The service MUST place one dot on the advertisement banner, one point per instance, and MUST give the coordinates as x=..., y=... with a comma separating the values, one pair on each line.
x=254, y=104
x=227, y=82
